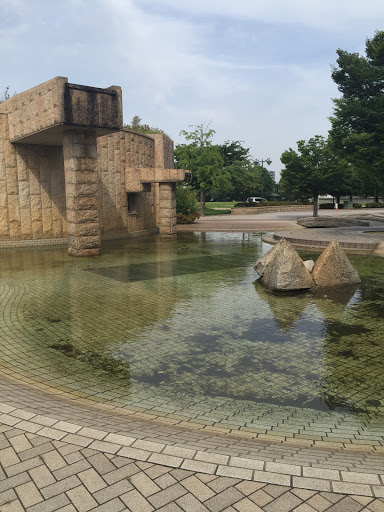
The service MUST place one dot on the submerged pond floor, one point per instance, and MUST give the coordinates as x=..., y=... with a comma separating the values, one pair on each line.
x=182, y=327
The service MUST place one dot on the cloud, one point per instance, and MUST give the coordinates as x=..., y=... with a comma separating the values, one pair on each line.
x=325, y=14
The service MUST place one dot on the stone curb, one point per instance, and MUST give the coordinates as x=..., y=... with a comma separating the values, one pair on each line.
x=293, y=475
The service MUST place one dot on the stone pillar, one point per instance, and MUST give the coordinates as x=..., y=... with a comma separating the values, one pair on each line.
x=167, y=209
x=81, y=190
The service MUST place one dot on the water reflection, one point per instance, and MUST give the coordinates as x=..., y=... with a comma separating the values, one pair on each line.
x=154, y=321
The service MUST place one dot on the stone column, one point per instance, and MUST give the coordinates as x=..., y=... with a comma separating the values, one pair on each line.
x=81, y=190
x=167, y=209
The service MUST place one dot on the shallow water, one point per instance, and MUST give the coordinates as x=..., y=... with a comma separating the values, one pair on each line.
x=183, y=327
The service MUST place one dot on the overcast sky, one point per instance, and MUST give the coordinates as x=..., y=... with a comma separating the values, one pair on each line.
x=260, y=70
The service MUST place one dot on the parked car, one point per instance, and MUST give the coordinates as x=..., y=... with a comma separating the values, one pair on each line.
x=254, y=199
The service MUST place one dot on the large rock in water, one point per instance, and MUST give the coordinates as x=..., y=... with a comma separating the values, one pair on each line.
x=261, y=264
x=333, y=268
x=283, y=269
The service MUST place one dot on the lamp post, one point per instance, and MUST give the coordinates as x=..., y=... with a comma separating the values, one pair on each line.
x=268, y=161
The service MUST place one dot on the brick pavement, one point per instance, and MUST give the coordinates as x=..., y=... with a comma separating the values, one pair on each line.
x=38, y=474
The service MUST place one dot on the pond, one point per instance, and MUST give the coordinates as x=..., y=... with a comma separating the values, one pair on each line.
x=183, y=328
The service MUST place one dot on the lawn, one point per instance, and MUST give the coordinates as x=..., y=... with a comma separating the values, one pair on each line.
x=224, y=204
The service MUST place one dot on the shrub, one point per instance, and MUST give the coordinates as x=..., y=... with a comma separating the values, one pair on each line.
x=374, y=205
x=182, y=218
x=187, y=206
x=358, y=205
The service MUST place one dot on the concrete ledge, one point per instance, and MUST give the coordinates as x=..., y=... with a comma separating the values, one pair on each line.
x=256, y=210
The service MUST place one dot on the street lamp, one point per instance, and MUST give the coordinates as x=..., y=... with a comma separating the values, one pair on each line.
x=268, y=161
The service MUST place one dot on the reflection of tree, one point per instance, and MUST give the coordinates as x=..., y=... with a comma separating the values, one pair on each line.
x=286, y=307
x=353, y=348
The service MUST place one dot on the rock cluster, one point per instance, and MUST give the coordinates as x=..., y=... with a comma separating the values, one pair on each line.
x=282, y=269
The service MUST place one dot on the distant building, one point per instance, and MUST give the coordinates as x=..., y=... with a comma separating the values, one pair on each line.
x=273, y=176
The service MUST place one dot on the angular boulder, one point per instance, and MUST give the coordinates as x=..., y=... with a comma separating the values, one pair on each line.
x=333, y=268
x=284, y=270
x=262, y=262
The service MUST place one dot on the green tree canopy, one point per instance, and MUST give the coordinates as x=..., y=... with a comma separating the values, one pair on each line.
x=204, y=160
x=358, y=117
x=309, y=172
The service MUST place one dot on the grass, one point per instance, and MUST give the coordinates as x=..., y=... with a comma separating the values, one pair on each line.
x=218, y=204
x=211, y=211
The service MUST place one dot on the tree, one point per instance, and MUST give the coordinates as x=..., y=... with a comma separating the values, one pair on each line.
x=136, y=126
x=358, y=117
x=204, y=160
x=308, y=172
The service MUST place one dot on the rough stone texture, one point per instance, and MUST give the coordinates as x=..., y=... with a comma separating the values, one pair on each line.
x=261, y=264
x=309, y=264
x=41, y=115
x=37, y=202
x=333, y=268
x=285, y=270
x=256, y=210
x=379, y=251
x=167, y=205
x=80, y=154
x=330, y=222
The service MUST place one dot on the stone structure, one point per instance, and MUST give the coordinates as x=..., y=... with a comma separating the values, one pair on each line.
x=69, y=170
x=257, y=210
x=283, y=269
x=330, y=222
x=333, y=268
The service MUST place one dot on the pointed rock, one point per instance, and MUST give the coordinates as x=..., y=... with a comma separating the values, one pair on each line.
x=333, y=268
x=285, y=269
x=262, y=262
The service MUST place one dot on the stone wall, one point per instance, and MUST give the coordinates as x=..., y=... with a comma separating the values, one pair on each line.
x=68, y=170
x=257, y=210
x=32, y=191
x=116, y=152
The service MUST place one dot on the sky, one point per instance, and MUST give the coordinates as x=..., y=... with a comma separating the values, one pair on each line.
x=258, y=70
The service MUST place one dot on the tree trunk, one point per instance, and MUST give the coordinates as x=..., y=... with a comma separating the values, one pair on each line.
x=316, y=205
x=202, y=202
x=338, y=199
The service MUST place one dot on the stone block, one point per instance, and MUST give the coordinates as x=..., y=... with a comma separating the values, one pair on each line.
x=12, y=182
x=83, y=242
x=3, y=195
x=83, y=229
x=285, y=270
x=85, y=203
x=25, y=198
x=333, y=268
x=4, y=225
x=84, y=151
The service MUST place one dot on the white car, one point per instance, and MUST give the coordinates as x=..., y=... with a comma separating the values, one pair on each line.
x=254, y=199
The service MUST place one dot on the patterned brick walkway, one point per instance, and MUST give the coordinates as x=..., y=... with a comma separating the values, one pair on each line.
x=38, y=474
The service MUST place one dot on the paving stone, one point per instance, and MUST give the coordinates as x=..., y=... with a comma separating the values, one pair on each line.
x=346, y=504
x=189, y=503
x=167, y=495
x=81, y=499
x=136, y=502
x=284, y=503
x=224, y=499
x=201, y=491
x=112, y=491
